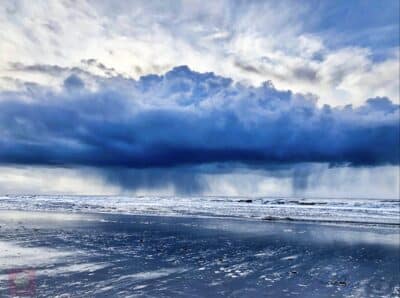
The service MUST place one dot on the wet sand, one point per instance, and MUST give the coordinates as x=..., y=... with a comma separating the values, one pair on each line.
x=109, y=255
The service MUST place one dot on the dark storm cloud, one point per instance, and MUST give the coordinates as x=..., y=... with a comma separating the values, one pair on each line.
x=94, y=63
x=43, y=68
x=305, y=73
x=248, y=67
x=85, y=69
x=185, y=180
x=185, y=118
x=73, y=82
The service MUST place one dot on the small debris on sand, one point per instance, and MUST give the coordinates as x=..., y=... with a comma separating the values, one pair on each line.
x=339, y=283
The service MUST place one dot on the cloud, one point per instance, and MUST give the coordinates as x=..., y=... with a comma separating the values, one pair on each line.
x=185, y=118
x=319, y=180
x=296, y=45
x=73, y=82
x=64, y=106
x=51, y=180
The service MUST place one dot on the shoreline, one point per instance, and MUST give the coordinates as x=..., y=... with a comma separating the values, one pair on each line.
x=270, y=219
x=334, y=211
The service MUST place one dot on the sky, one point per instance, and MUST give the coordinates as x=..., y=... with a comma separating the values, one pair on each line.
x=249, y=98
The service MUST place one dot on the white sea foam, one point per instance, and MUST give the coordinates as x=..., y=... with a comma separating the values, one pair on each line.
x=378, y=211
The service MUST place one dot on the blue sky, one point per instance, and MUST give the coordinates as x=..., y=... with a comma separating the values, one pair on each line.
x=372, y=24
x=222, y=97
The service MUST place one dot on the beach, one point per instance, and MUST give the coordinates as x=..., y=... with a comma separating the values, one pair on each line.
x=93, y=254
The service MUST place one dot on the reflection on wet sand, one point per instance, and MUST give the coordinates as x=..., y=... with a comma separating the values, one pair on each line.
x=124, y=255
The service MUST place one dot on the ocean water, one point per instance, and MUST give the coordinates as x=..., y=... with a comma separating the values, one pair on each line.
x=346, y=210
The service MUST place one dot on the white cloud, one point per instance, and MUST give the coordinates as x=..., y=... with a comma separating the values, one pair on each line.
x=319, y=181
x=42, y=180
x=251, y=42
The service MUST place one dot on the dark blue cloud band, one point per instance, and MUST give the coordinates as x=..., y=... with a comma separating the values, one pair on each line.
x=188, y=118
